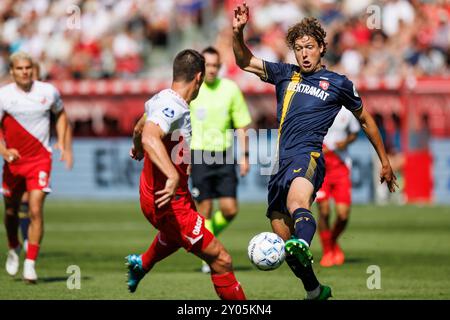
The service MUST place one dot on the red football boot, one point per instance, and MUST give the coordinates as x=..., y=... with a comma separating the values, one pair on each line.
x=328, y=254
x=338, y=255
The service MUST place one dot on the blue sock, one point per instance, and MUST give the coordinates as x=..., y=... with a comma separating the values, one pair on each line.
x=304, y=224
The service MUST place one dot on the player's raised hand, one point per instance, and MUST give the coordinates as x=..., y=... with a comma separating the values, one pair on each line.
x=388, y=175
x=11, y=155
x=240, y=19
x=166, y=194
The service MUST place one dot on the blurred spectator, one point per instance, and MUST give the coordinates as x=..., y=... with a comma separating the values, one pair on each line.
x=136, y=38
x=420, y=137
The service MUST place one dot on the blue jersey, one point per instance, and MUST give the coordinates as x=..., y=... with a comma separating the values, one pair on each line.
x=307, y=105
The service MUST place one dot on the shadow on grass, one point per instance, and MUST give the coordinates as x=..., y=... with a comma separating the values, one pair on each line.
x=235, y=268
x=356, y=260
x=53, y=279
x=244, y=268
x=55, y=254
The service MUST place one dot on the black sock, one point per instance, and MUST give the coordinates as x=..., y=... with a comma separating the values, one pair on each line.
x=306, y=274
x=304, y=224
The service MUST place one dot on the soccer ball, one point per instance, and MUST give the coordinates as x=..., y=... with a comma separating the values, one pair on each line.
x=266, y=251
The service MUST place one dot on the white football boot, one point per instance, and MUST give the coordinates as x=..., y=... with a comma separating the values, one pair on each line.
x=29, y=273
x=12, y=261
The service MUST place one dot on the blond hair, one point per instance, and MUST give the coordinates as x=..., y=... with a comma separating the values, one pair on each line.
x=20, y=55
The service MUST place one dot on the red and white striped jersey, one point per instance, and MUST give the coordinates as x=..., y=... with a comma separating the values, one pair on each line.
x=171, y=113
x=25, y=118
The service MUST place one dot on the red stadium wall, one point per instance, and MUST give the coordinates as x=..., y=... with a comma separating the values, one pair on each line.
x=111, y=108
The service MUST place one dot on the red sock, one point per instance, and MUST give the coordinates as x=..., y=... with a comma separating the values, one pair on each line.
x=227, y=287
x=158, y=250
x=32, y=251
x=325, y=238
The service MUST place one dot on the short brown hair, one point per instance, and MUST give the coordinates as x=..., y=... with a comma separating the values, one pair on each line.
x=307, y=27
x=187, y=64
x=211, y=50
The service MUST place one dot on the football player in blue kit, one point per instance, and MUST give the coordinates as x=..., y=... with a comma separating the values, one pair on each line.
x=308, y=99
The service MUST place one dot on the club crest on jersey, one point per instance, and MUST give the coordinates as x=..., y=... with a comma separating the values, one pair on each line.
x=324, y=84
x=169, y=113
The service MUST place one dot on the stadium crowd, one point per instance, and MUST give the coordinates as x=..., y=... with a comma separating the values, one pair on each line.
x=98, y=39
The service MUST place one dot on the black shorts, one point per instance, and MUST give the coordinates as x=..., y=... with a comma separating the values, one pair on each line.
x=212, y=181
x=308, y=165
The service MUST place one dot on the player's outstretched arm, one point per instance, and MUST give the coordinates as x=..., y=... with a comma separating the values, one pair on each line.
x=152, y=143
x=68, y=146
x=61, y=129
x=244, y=57
x=137, y=150
x=371, y=130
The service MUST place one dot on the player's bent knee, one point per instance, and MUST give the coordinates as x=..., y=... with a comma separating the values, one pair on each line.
x=298, y=203
x=343, y=212
x=35, y=214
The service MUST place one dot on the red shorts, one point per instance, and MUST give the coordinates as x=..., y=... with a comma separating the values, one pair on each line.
x=21, y=177
x=178, y=222
x=337, y=183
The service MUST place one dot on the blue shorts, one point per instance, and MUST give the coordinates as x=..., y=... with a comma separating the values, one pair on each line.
x=308, y=165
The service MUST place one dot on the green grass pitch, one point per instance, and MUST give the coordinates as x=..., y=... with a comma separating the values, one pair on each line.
x=410, y=245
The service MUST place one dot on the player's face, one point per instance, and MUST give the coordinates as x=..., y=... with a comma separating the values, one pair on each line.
x=212, y=67
x=22, y=72
x=307, y=52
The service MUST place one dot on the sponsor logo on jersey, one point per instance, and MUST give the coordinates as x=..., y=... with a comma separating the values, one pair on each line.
x=198, y=226
x=194, y=240
x=307, y=89
x=297, y=170
x=169, y=113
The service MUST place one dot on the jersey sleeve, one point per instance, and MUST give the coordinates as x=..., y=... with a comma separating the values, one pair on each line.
x=240, y=115
x=162, y=115
x=275, y=72
x=57, y=105
x=349, y=96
